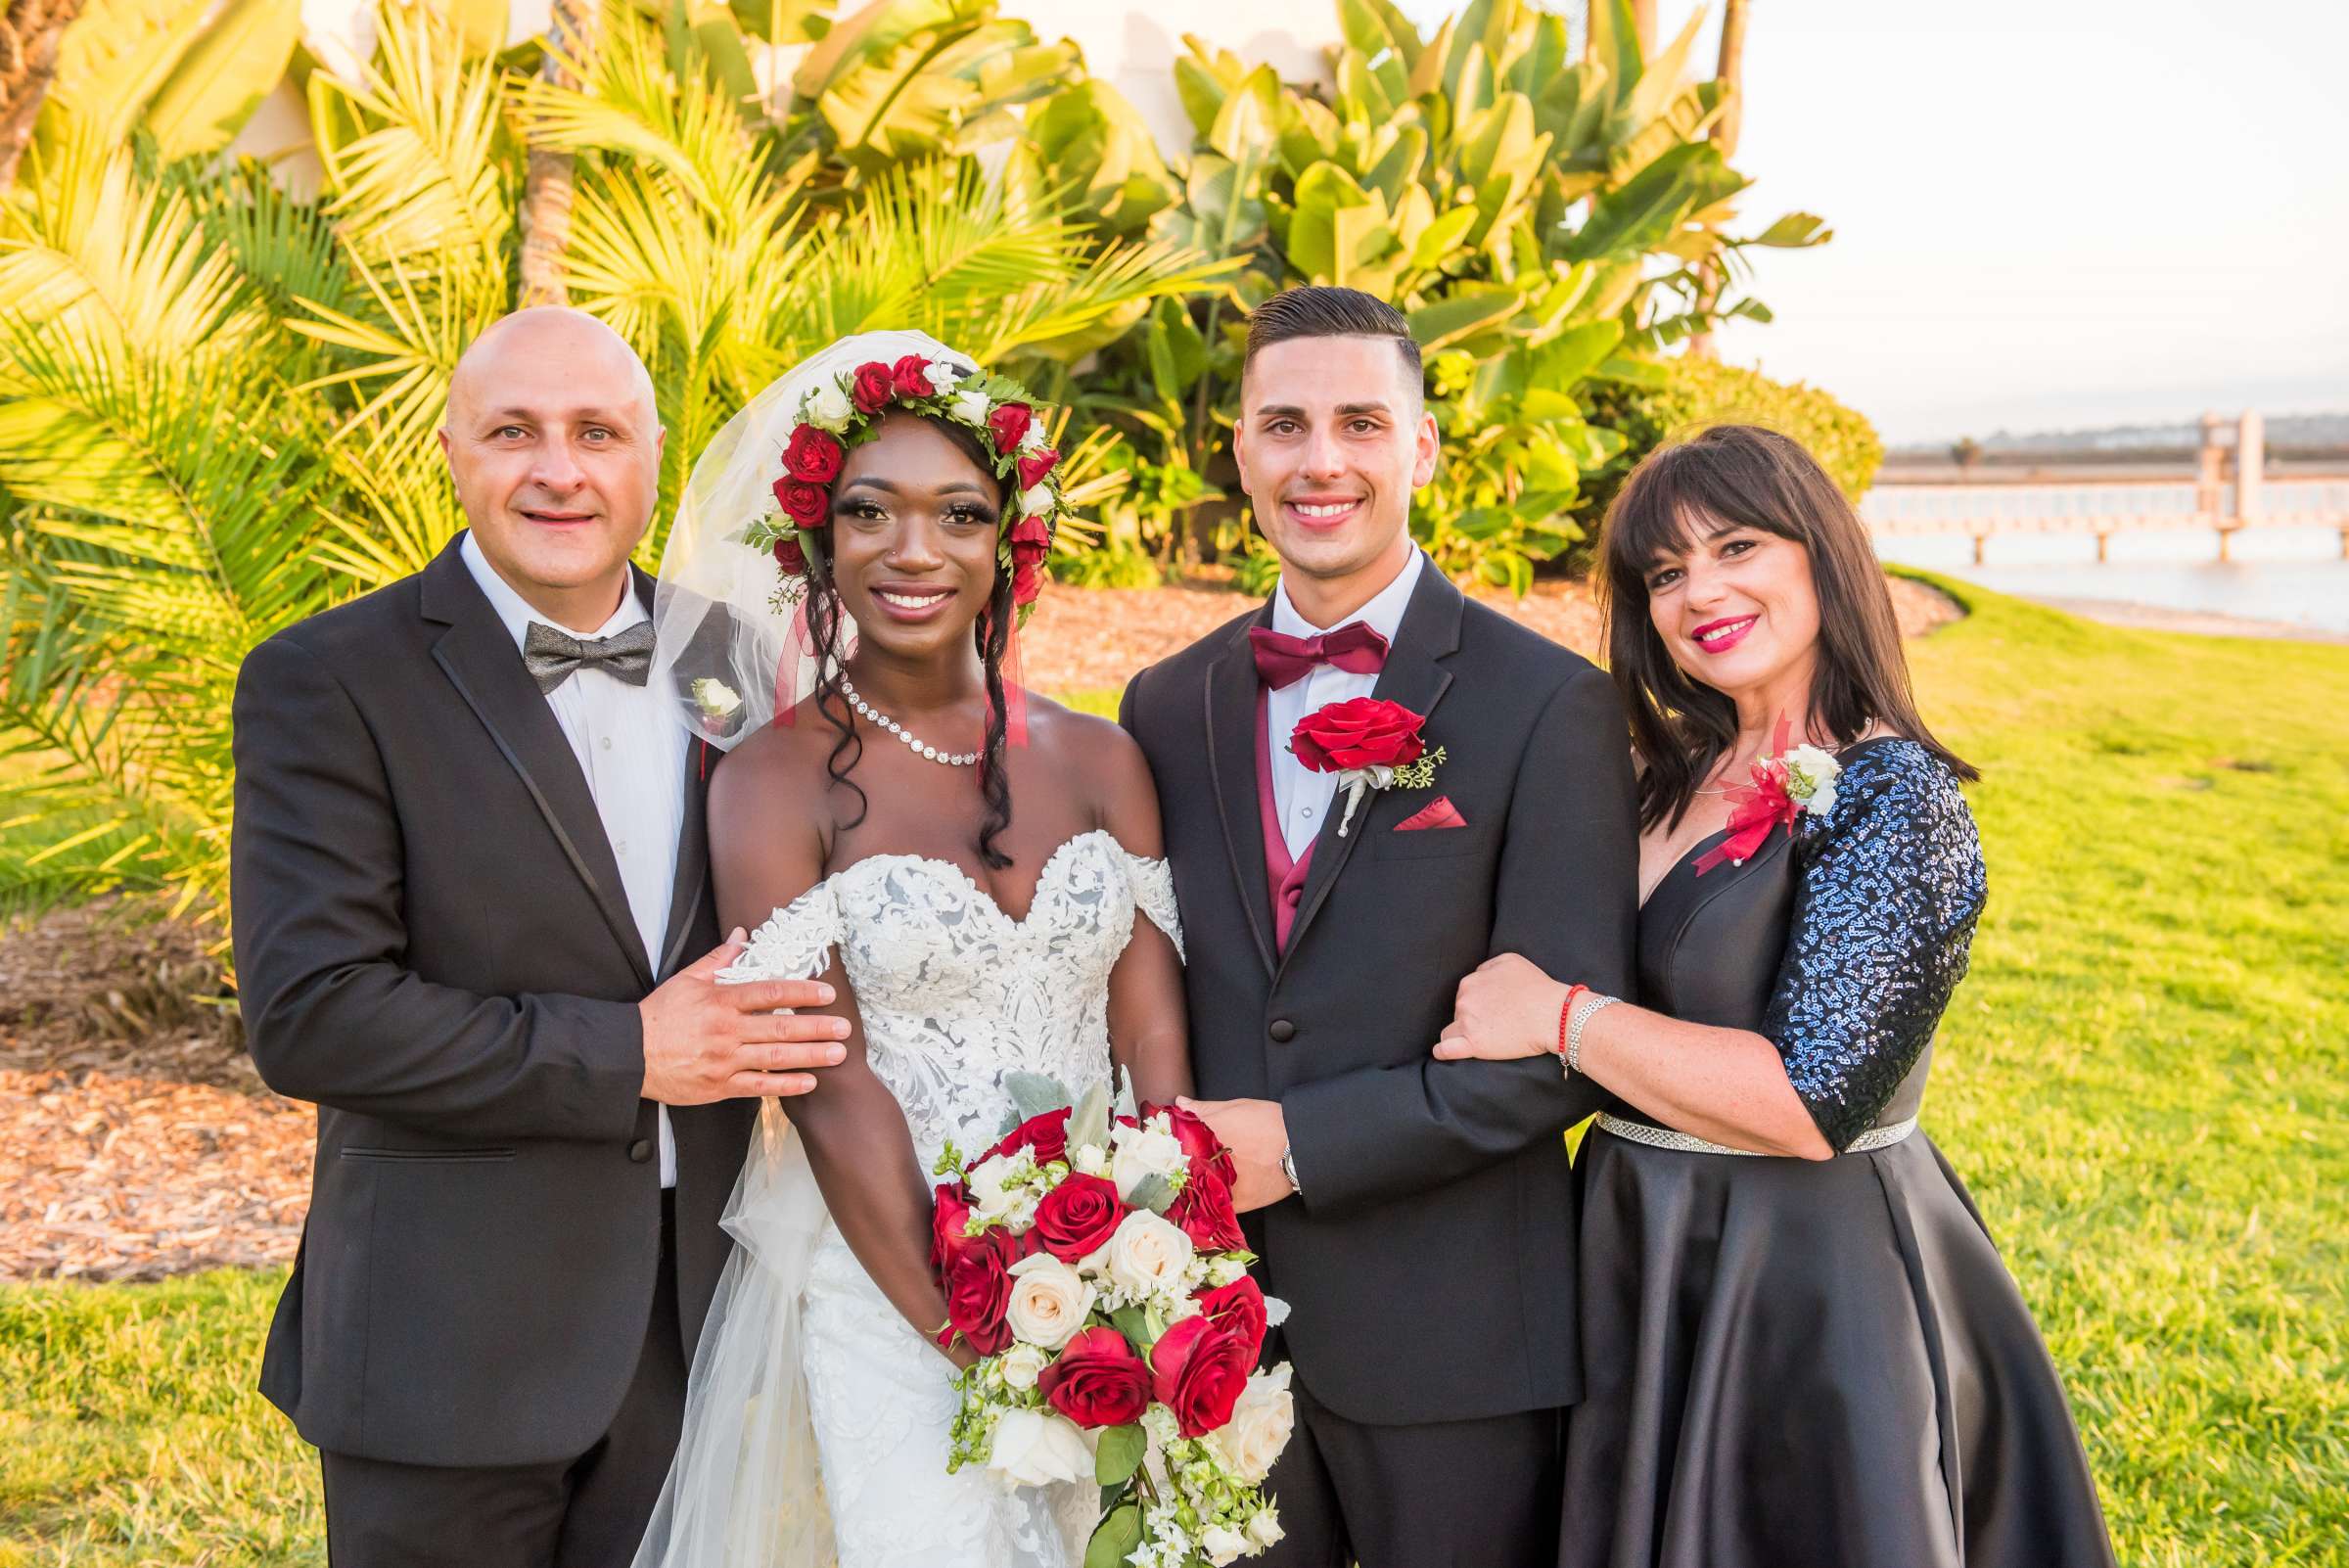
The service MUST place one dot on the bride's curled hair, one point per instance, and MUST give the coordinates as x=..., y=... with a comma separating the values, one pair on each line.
x=826, y=626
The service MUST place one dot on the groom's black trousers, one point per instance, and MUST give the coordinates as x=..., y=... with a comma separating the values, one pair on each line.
x=589, y=1512
x=1478, y=1493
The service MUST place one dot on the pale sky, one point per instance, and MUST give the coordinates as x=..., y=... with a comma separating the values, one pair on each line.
x=2048, y=213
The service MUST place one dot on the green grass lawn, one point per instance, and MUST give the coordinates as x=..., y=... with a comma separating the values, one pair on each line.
x=2144, y=1083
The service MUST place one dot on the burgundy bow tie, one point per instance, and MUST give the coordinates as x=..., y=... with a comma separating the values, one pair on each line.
x=1282, y=660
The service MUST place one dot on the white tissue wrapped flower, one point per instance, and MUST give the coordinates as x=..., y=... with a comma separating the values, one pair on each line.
x=1035, y=1446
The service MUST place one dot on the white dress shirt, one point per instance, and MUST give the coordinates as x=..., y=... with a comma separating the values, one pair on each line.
x=1300, y=795
x=632, y=751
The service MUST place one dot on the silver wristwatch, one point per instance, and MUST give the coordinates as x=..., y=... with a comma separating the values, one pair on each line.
x=1288, y=1168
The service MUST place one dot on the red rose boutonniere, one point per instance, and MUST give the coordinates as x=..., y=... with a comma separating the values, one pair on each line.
x=1370, y=744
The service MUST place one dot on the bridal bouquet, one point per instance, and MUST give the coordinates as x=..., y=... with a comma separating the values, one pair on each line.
x=1094, y=1259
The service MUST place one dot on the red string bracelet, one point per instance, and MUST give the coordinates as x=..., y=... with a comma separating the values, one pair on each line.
x=1566, y=1014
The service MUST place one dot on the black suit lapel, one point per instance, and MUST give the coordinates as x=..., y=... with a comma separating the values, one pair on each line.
x=1231, y=688
x=478, y=655
x=693, y=858
x=1415, y=678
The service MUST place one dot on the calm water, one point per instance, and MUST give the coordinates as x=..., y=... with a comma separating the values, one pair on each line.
x=2291, y=575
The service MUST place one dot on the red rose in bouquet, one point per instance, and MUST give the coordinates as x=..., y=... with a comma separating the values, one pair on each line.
x=950, y=1213
x=1204, y=1210
x=813, y=455
x=1047, y=1135
x=1200, y=1145
x=1237, y=1309
x=1010, y=423
x=873, y=387
x=807, y=505
x=1098, y=1381
x=978, y=1289
x=1032, y=470
x=1198, y=1370
x=1079, y=1217
x=1363, y=732
x=910, y=376
x=791, y=558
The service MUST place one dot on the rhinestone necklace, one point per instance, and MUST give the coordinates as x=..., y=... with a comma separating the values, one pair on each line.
x=857, y=702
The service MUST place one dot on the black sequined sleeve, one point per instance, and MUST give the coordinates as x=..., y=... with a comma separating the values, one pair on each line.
x=1891, y=885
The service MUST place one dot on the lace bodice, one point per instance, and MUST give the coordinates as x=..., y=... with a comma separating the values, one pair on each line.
x=954, y=994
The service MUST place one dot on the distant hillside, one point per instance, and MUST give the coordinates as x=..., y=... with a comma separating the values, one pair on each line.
x=2286, y=433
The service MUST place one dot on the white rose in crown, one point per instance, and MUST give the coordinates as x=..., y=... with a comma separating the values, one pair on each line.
x=1260, y=1427
x=1033, y=1448
x=1036, y=501
x=828, y=408
x=941, y=375
x=969, y=405
x=1146, y=1255
x=1143, y=1152
x=1048, y=1301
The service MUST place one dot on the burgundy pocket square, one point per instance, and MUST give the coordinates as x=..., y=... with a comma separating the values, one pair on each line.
x=1439, y=812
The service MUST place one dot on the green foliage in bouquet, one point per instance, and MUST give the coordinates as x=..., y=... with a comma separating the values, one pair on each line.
x=1539, y=212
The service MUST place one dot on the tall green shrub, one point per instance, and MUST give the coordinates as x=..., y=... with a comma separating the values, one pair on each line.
x=1661, y=402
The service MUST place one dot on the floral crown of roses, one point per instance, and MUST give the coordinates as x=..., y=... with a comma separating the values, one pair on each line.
x=846, y=411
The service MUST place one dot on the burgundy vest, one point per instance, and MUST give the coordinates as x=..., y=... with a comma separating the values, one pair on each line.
x=1285, y=877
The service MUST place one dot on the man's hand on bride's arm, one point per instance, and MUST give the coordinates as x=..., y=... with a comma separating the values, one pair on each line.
x=1506, y=1009
x=705, y=1041
x=1258, y=1136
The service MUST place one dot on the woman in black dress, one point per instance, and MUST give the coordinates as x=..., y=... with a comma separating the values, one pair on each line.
x=1800, y=1348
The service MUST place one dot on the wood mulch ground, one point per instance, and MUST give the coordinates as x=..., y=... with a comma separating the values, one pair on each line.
x=137, y=1141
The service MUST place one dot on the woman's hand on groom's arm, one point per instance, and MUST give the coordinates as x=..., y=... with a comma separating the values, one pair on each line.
x=705, y=1041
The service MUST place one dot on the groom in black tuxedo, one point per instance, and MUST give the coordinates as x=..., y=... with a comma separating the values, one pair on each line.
x=469, y=875
x=1418, y=1219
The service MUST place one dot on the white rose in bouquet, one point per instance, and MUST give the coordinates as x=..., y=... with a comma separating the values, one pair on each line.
x=1148, y=1255
x=1022, y=1365
x=1223, y=1546
x=1143, y=1152
x=1264, y=1526
x=1048, y=1301
x=1259, y=1425
x=995, y=1193
x=1035, y=1447
x=1089, y=1160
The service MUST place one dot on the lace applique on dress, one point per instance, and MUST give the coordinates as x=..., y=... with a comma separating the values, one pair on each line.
x=953, y=995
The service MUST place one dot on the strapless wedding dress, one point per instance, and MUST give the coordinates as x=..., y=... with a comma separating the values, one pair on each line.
x=816, y=1421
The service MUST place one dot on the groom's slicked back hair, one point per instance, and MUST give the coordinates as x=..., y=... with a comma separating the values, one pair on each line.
x=1320, y=311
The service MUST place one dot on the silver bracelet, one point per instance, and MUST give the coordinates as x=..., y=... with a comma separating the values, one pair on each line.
x=1582, y=1021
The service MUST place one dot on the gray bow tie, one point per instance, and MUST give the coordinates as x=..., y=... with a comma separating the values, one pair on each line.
x=551, y=656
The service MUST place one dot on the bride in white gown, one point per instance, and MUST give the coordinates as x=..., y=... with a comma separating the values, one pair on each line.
x=869, y=837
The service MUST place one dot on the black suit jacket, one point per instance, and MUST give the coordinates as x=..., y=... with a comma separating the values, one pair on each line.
x=1431, y=1261
x=433, y=944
